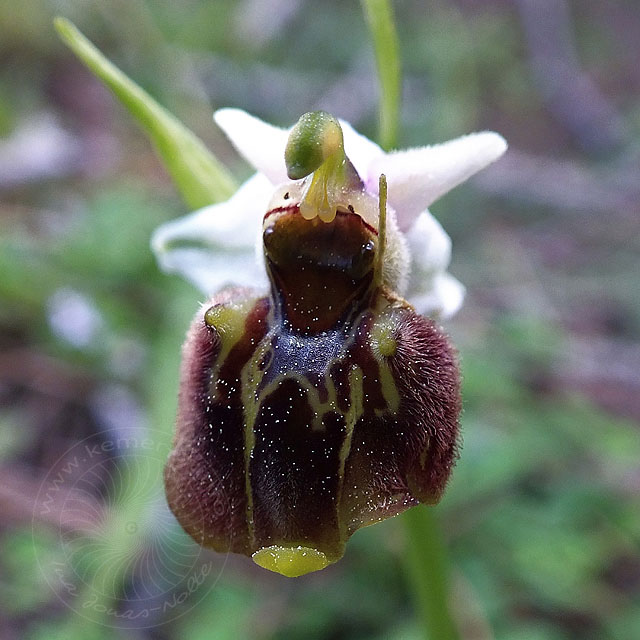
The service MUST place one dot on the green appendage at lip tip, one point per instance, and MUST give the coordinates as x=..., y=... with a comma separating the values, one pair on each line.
x=291, y=562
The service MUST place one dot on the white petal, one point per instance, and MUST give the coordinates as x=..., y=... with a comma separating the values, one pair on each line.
x=440, y=296
x=261, y=144
x=214, y=247
x=360, y=150
x=418, y=177
x=429, y=245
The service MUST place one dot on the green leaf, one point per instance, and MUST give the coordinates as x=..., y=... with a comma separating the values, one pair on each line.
x=198, y=175
x=381, y=23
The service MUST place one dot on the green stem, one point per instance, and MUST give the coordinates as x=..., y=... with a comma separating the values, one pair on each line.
x=427, y=562
x=427, y=565
x=379, y=14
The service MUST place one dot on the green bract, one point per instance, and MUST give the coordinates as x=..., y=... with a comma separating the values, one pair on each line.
x=196, y=172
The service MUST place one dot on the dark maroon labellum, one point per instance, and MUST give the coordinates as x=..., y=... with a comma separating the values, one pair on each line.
x=325, y=406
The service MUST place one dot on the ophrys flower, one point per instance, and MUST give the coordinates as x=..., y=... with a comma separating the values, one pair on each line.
x=320, y=399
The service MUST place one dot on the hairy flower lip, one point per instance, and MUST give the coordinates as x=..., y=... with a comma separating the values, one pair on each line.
x=293, y=497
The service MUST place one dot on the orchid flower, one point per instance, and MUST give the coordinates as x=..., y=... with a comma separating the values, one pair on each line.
x=221, y=245
x=322, y=402
x=316, y=397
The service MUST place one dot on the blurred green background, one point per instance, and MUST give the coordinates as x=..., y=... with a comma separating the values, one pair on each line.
x=542, y=517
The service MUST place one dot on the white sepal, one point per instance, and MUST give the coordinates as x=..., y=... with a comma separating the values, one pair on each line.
x=259, y=143
x=214, y=246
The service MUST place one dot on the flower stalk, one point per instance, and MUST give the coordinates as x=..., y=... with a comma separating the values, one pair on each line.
x=427, y=565
x=426, y=562
x=379, y=15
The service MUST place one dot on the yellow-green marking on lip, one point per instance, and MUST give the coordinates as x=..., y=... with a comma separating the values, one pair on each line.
x=290, y=561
